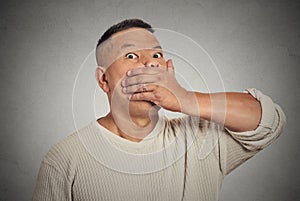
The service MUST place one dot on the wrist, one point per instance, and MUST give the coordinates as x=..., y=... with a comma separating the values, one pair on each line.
x=189, y=104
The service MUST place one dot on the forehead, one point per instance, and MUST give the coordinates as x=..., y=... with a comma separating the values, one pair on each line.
x=136, y=38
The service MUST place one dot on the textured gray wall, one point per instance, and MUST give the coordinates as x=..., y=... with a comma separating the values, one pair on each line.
x=43, y=43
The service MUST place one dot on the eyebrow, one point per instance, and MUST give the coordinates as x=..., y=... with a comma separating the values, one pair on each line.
x=157, y=47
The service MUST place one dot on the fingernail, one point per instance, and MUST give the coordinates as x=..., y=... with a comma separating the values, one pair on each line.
x=128, y=73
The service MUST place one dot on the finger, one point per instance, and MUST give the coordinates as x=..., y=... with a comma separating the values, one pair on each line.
x=144, y=96
x=141, y=70
x=135, y=89
x=139, y=79
x=139, y=88
x=170, y=65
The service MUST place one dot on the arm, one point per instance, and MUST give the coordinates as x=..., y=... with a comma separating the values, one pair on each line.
x=252, y=121
x=237, y=111
x=56, y=174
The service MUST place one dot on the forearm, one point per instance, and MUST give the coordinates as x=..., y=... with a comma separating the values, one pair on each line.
x=237, y=111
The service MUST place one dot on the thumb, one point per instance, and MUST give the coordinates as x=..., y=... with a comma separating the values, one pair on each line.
x=170, y=65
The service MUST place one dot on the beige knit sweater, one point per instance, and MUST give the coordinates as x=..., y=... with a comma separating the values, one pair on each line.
x=95, y=164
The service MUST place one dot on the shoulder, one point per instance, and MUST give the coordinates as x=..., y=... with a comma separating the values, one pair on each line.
x=65, y=153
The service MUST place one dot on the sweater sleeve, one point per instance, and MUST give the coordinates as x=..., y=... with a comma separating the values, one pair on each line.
x=237, y=147
x=51, y=184
x=57, y=171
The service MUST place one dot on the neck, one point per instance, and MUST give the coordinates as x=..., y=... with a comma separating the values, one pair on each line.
x=134, y=128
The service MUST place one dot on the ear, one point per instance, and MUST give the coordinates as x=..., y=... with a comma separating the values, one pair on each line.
x=101, y=78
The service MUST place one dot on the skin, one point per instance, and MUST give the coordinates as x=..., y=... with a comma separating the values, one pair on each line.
x=134, y=60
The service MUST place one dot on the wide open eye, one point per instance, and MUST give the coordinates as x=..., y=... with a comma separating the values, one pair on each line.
x=131, y=56
x=157, y=55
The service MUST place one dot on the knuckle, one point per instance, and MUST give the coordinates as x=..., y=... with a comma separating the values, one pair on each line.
x=157, y=96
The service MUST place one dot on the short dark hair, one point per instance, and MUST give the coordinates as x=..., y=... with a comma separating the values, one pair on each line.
x=125, y=24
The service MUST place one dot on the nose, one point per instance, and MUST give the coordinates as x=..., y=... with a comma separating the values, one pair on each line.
x=148, y=59
x=152, y=64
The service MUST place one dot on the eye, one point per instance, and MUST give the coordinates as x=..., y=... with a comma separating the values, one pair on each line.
x=131, y=56
x=157, y=55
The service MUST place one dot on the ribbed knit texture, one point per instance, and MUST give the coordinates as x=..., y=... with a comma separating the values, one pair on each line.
x=95, y=164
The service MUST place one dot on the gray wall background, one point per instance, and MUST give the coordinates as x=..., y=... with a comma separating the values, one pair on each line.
x=254, y=43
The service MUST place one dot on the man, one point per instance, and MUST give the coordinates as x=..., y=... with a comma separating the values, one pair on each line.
x=133, y=153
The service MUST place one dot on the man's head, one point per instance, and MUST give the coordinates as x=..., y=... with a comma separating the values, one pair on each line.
x=126, y=45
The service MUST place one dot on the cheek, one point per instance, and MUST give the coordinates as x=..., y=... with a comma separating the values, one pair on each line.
x=115, y=77
x=115, y=73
